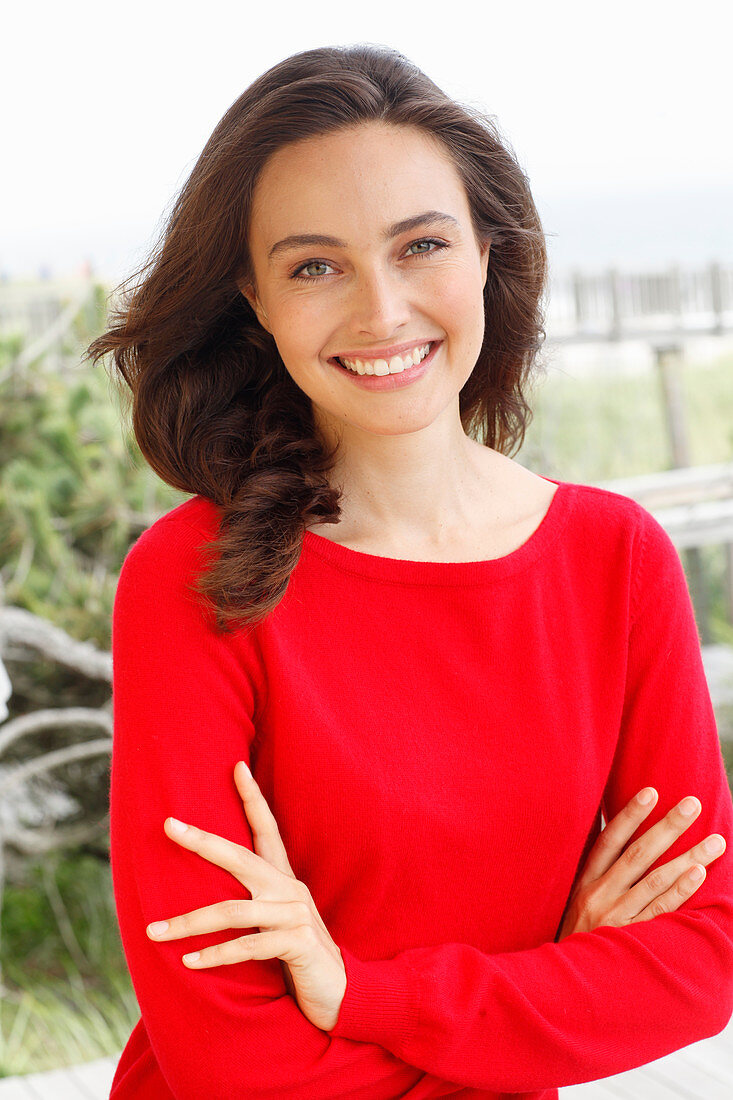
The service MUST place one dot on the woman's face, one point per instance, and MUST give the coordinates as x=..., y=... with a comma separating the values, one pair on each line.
x=371, y=289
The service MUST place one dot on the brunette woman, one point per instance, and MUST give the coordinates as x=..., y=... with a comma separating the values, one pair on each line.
x=487, y=776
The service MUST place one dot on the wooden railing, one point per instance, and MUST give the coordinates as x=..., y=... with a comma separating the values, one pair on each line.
x=695, y=506
x=654, y=306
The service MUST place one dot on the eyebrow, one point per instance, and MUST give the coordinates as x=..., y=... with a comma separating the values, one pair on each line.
x=299, y=240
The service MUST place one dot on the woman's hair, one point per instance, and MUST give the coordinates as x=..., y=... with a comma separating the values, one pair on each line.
x=214, y=410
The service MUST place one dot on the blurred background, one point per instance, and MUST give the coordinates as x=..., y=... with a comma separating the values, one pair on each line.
x=617, y=113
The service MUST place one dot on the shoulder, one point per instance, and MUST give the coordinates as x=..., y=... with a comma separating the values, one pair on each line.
x=162, y=563
x=160, y=617
x=198, y=512
x=624, y=539
x=195, y=520
x=608, y=515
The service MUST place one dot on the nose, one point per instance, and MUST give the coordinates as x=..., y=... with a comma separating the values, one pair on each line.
x=380, y=307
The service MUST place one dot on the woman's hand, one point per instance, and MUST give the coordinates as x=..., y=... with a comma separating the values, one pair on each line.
x=281, y=906
x=605, y=893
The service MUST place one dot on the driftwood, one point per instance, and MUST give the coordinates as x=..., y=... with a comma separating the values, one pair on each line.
x=21, y=632
x=21, y=627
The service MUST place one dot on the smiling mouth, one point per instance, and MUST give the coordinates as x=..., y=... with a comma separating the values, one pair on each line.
x=383, y=365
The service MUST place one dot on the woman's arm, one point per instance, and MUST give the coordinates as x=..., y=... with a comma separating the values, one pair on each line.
x=185, y=705
x=607, y=1000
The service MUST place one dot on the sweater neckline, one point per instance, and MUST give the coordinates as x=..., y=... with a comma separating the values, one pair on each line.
x=405, y=571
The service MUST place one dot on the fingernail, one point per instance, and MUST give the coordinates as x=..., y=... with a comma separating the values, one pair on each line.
x=714, y=844
x=697, y=873
x=646, y=796
x=177, y=826
x=158, y=927
x=192, y=957
x=243, y=765
x=688, y=806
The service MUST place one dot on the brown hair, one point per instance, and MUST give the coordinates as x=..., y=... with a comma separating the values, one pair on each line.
x=215, y=411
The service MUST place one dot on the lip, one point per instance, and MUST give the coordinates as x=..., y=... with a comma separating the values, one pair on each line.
x=391, y=381
x=383, y=353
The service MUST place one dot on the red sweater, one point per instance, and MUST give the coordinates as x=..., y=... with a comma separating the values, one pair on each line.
x=437, y=742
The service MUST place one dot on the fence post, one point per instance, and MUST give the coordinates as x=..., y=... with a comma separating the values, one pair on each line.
x=716, y=297
x=669, y=360
x=728, y=552
x=578, y=299
x=613, y=287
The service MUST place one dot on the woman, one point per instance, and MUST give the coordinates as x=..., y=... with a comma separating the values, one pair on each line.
x=445, y=671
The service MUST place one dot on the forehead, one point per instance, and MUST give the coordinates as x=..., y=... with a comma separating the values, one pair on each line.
x=354, y=181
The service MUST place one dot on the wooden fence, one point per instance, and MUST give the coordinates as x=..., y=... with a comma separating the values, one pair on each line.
x=666, y=305
x=695, y=506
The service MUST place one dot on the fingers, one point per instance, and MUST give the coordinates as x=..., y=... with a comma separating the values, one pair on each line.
x=235, y=858
x=244, y=865
x=265, y=831
x=625, y=867
x=262, y=945
x=238, y=913
x=639, y=856
x=615, y=896
x=614, y=837
x=666, y=887
x=671, y=899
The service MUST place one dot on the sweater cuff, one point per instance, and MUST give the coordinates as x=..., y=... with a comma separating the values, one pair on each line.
x=381, y=1003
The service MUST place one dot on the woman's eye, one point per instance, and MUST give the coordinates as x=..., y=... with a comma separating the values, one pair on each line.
x=438, y=245
x=312, y=263
x=420, y=242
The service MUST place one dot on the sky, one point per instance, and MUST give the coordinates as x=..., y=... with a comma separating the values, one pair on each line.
x=618, y=113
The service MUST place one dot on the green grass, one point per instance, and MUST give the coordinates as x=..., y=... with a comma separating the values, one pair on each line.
x=69, y=998
x=594, y=429
x=53, y=1024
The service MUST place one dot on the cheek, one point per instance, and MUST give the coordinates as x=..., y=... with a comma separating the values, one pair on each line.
x=296, y=331
x=304, y=326
x=461, y=299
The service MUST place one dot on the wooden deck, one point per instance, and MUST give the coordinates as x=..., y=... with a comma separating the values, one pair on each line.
x=90, y=1081
x=703, y=1071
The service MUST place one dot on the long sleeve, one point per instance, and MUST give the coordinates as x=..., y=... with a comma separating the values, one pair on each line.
x=605, y=1001
x=186, y=703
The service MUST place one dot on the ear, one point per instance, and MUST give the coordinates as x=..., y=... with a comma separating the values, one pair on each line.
x=485, y=261
x=249, y=293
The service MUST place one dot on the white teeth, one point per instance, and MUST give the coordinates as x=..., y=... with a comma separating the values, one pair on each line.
x=396, y=364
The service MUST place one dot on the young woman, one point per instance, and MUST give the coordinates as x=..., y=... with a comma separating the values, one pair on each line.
x=445, y=672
